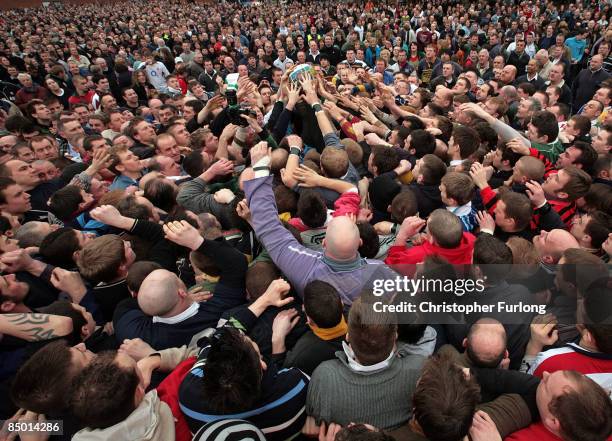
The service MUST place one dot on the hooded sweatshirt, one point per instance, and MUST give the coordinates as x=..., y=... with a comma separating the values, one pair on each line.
x=461, y=254
x=152, y=420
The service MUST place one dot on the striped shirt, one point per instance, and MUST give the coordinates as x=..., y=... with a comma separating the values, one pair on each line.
x=279, y=411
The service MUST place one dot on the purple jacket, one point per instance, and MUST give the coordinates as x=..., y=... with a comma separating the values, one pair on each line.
x=299, y=264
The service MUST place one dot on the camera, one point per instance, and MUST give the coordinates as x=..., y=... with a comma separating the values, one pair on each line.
x=234, y=111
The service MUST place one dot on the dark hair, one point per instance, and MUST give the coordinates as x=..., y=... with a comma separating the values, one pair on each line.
x=445, y=400
x=258, y=278
x=546, y=124
x=422, y=142
x=232, y=383
x=404, y=205
x=507, y=154
x=597, y=307
x=41, y=383
x=58, y=247
x=528, y=88
x=286, y=199
x=564, y=109
x=193, y=163
x=587, y=156
x=103, y=392
x=599, y=197
x=432, y=169
x=322, y=304
x=311, y=209
x=467, y=139
x=4, y=184
x=582, y=123
x=459, y=187
x=370, y=245
x=488, y=136
x=599, y=226
x=64, y=203
x=518, y=208
x=584, y=412
x=373, y=335
x=360, y=432
x=161, y=193
x=129, y=207
x=384, y=159
x=493, y=257
x=138, y=272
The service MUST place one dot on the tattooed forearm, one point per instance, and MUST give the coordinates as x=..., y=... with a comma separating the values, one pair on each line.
x=34, y=326
x=28, y=318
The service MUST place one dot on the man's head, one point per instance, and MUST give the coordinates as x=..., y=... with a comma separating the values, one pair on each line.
x=47, y=393
x=513, y=212
x=592, y=109
x=70, y=128
x=542, y=127
x=107, y=390
x=569, y=184
x=166, y=145
x=69, y=201
x=105, y=259
x=444, y=400
x=429, y=170
x=556, y=74
x=463, y=143
x=456, y=189
x=591, y=229
x=579, y=154
x=342, y=239
x=508, y=74
x=485, y=344
x=123, y=161
x=163, y=294
x=141, y=131
x=44, y=148
x=13, y=199
x=573, y=406
x=371, y=336
x=551, y=245
x=322, y=305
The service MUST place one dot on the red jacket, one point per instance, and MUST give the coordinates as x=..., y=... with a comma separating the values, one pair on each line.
x=460, y=255
x=535, y=431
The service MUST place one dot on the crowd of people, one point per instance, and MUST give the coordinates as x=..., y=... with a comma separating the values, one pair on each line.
x=192, y=196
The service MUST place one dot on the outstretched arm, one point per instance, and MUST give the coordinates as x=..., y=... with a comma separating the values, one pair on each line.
x=34, y=326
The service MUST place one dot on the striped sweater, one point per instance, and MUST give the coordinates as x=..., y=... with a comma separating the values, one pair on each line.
x=279, y=411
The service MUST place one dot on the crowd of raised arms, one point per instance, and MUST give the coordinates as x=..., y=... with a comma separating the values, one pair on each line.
x=192, y=196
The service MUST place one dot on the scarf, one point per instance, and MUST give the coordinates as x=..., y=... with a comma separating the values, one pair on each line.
x=355, y=366
x=330, y=333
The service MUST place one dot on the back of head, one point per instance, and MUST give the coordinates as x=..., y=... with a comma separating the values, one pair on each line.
x=311, y=209
x=370, y=243
x=100, y=258
x=361, y=432
x=322, y=304
x=58, y=247
x=44, y=393
x=584, y=412
x=158, y=293
x=459, y=187
x=31, y=234
x=103, y=393
x=353, y=150
x=486, y=343
x=432, y=169
x=64, y=203
x=493, y=258
x=233, y=374
x=334, y=162
x=161, y=193
x=445, y=228
x=423, y=142
x=371, y=335
x=258, y=278
x=138, y=272
x=546, y=124
x=342, y=239
x=531, y=167
x=445, y=400
x=518, y=208
x=404, y=205
x=467, y=139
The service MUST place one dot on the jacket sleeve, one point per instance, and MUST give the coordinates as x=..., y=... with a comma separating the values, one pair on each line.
x=509, y=412
x=496, y=382
x=232, y=263
x=281, y=124
x=130, y=322
x=347, y=203
x=489, y=199
x=293, y=259
x=193, y=196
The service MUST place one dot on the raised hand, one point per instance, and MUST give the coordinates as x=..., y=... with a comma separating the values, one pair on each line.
x=259, y=151
x=243, y=210
x=535, y=192
x=308, y=178
x=184, y=234
x=485, y=220
x=106, y=214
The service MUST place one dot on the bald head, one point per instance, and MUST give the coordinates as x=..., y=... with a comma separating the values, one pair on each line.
x=342, y=239
x=159, y=294
x=486, y=343
x=551, y=245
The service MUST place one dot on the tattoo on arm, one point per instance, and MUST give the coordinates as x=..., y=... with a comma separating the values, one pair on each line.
x=31, y=326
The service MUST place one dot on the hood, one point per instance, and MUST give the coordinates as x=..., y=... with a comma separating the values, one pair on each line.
x=459, y=255
x=151, y=421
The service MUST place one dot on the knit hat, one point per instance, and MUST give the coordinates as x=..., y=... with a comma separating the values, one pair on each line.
x=229, y=430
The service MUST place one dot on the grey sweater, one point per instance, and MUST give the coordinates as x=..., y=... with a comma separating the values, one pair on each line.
x=381, y=398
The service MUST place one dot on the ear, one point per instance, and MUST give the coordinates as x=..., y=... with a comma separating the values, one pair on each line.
x=75, y=255
x=562, y=195
x=464, y=343
x=7, y=306
x=182, y=293
x=586, y=240
x=420, y=179
x=548, y=259
x=84, y=332
x=120, y=168
x=412, y=151
x=324, y=243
